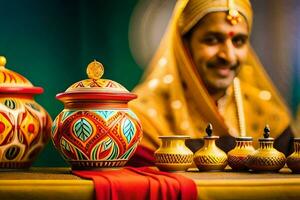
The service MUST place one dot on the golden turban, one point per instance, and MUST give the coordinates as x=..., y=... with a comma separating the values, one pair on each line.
x=197, y=9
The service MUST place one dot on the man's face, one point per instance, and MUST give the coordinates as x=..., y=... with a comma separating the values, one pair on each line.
x=218, y=50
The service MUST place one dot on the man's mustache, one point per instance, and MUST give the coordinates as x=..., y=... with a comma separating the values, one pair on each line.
x=222, y=62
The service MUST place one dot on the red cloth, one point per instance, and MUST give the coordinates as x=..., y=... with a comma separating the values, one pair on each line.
x=140, y=183
x=143, y=156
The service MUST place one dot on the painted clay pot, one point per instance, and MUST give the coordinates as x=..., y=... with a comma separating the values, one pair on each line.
x=96, y=129
x=173, y=155
x=24, y=125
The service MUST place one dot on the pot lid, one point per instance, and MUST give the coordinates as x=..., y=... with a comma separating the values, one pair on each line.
x=96, y=88
x=13, y=82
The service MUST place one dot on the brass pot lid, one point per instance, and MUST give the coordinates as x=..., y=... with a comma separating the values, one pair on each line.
x=14, y=83
x=96, y=88
x=175, y=137
x=244, y=138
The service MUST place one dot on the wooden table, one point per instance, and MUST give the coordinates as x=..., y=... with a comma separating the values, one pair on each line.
x=60, y=184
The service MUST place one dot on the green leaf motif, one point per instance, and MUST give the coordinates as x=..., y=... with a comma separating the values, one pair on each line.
x=10, y=103
x=34, y=107
x=114, y=154
x=106, y=114
x=66, y=114
x=107, y=144
x=128, y=153
x=54, y=127
x=128, y=130
x=65, y=145
x=82, y=129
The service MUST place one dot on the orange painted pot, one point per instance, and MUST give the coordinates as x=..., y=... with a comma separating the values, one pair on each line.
x=25, y=126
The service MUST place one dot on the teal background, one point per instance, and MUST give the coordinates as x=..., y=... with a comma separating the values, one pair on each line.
x=51, y=43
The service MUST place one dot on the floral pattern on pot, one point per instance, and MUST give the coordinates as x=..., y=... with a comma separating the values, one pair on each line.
x=24, y=130
x=96, y=128
x=97, y=135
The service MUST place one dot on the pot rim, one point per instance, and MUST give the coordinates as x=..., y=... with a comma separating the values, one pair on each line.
x=73, y=96
x=174, y=137
x=244, y=138
x=21, y=90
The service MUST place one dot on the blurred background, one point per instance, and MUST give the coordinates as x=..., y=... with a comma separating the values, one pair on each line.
x=51, y=43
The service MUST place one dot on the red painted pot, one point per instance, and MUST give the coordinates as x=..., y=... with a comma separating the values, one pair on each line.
x=96, y=128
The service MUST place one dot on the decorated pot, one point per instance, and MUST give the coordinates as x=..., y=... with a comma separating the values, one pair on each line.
x=96, y=128
x=237, y=157
x=173, y=155
x=24, y=125
x=266, y=158
x=210, y=157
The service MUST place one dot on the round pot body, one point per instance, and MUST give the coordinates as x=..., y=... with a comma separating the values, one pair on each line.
x=24, y=130
x=210, y=157
x=96, y=129
x=173, y=155
x=237, y=157
x=266, y=158
x=96, y=137
x=25, y=126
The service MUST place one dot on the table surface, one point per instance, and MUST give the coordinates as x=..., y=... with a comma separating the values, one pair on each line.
x=59, y=183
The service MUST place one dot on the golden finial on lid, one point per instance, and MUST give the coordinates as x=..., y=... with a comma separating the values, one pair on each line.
x=233, y=15
x=95, y=70
x=2, y=61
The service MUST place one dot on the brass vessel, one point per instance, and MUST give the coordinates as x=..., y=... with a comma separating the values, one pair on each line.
x=293, y=161
x=210, y=157
x=266, y=158
x=173, y=155
x=237, y=157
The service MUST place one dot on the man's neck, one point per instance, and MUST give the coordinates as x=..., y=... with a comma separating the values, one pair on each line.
x=216, y=95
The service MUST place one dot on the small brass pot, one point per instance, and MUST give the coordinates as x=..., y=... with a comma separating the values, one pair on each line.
x=266, y=158
x=293, y=161
x=210, y=157
x=237, y=157
x=173, y=155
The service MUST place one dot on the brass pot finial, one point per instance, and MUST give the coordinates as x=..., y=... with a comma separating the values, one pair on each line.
x=267, y=131
x=209, y=130
x=2, y=61
x=95, y=70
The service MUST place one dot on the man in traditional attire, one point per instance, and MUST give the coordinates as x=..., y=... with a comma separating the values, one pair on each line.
x=205, y=71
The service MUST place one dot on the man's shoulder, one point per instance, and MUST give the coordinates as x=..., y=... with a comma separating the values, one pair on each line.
x=251, y=92
x=257, y=97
